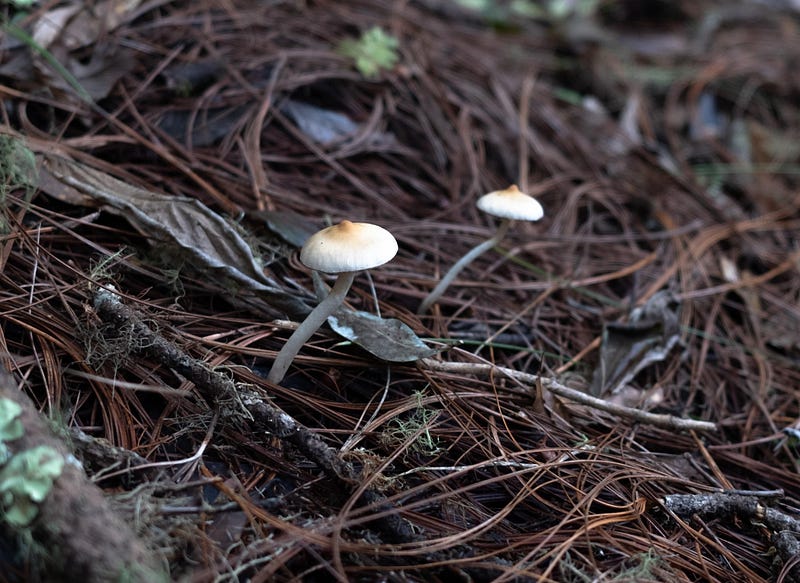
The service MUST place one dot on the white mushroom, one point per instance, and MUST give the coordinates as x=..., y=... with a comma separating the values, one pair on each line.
x=510, y=204
x=346, y=249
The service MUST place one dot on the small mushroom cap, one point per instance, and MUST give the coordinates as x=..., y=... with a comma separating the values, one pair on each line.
x=511, y=203
x=348, y=247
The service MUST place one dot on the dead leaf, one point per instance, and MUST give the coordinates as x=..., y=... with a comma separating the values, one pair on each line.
x=387, y=338
x=201, y=128
x=106, y=66
x=648, y=336
x=80, y=24
x=206, y=239
x=321, y=125
x=291, y=227
x=782, y=330
x=193, y=77
x=327, y=127
x=44, y=56
x=52, y=23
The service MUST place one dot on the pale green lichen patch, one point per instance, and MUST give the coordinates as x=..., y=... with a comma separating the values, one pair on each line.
x=10, y=426
x=26, y=480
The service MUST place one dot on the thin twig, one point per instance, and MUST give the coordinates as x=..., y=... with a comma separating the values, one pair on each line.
x=732, y=505
x=485, y=370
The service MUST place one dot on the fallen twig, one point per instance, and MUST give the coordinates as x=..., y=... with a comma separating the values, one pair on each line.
x=217, y=388
x=101, y=458
x=656, y=419
x=730, y=505
x=222, y=392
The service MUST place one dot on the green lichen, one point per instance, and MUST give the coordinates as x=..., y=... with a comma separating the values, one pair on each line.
x=25, y=481
x=398, y=430
x=10, y=426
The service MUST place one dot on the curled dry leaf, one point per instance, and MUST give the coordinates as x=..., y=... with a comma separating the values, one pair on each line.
x=648, y=336
x=80, y=24
x=44, y=51
x=204, y=237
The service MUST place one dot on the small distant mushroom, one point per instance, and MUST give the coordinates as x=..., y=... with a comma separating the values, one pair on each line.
x=346, y=249
x=510, y=204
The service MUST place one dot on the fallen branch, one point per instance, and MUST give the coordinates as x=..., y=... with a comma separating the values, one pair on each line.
x=262, y=417
x=221, y=392
x=101, y=458
x=556, y=388
x=732, y=505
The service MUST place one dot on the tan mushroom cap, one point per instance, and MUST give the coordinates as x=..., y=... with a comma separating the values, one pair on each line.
x=348, y=247
x=511, y=203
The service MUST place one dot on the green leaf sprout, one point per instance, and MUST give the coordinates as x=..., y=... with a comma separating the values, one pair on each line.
x=374, y=51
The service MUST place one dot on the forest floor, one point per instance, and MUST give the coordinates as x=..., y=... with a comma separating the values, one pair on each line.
x=608, y=394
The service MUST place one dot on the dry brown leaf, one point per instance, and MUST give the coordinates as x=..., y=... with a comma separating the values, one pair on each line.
x=80, y=24
x=204, y=237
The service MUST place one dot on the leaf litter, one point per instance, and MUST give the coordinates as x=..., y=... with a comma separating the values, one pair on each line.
x=640, y=198
x=212, y=243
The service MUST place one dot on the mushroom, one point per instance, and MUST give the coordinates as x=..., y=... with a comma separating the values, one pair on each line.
x=510, y=204
x=345, y=249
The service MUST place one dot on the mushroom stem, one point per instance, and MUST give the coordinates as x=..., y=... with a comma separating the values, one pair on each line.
x=310, y=325
x=461, y=264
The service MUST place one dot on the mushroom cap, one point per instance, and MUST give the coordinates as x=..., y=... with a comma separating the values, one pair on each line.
x=348, y=247
x=511, y=203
